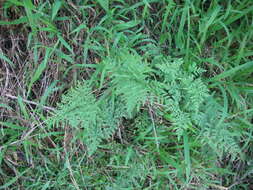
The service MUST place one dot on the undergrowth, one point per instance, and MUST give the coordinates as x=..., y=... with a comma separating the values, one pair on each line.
x=113, y=94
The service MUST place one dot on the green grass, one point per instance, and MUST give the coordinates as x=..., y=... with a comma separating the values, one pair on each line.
x=51, y=51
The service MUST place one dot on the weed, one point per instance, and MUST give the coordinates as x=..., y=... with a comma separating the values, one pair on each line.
x=112, y=94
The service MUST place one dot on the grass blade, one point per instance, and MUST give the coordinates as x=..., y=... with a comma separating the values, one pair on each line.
x=56, y=7
x=187, y=156
x=13, y=180
x=39, y=70
x=229, y=73
x=3, y=57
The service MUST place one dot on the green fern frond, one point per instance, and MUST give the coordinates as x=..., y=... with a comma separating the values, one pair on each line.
x=131, y=83
x=183, y=94
x=78, y=107
x=219, y=136
x=129, y=79
x=93, y=120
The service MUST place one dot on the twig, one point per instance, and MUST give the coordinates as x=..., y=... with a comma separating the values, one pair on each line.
x=30, y=102
x=219, y=187
x=241, y=179
x=154, y=128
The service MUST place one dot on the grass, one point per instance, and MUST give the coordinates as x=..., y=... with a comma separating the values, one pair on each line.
x=48, y=47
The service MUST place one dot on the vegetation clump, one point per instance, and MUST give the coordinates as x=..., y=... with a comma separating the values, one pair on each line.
x=112, y=94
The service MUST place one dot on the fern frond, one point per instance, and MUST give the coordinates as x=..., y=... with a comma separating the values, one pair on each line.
x=129, y=80
x=130, y=84
x=93, y=121
x=219, y=136
x=182, y=94
x=78, y=107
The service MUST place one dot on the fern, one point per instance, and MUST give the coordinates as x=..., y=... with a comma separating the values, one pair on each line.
x=94, y=120
x=134, y=175
x=131, y=84
x=187, y=107
x=129, y=80
x=181, y=93
x=219, y=136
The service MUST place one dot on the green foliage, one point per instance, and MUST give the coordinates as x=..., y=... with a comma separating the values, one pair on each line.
x=182, y=93
x=93, y=120
x=134, y=84
x=128, y=79
x=130, y=85
x=218, y=133
x=114, y=94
